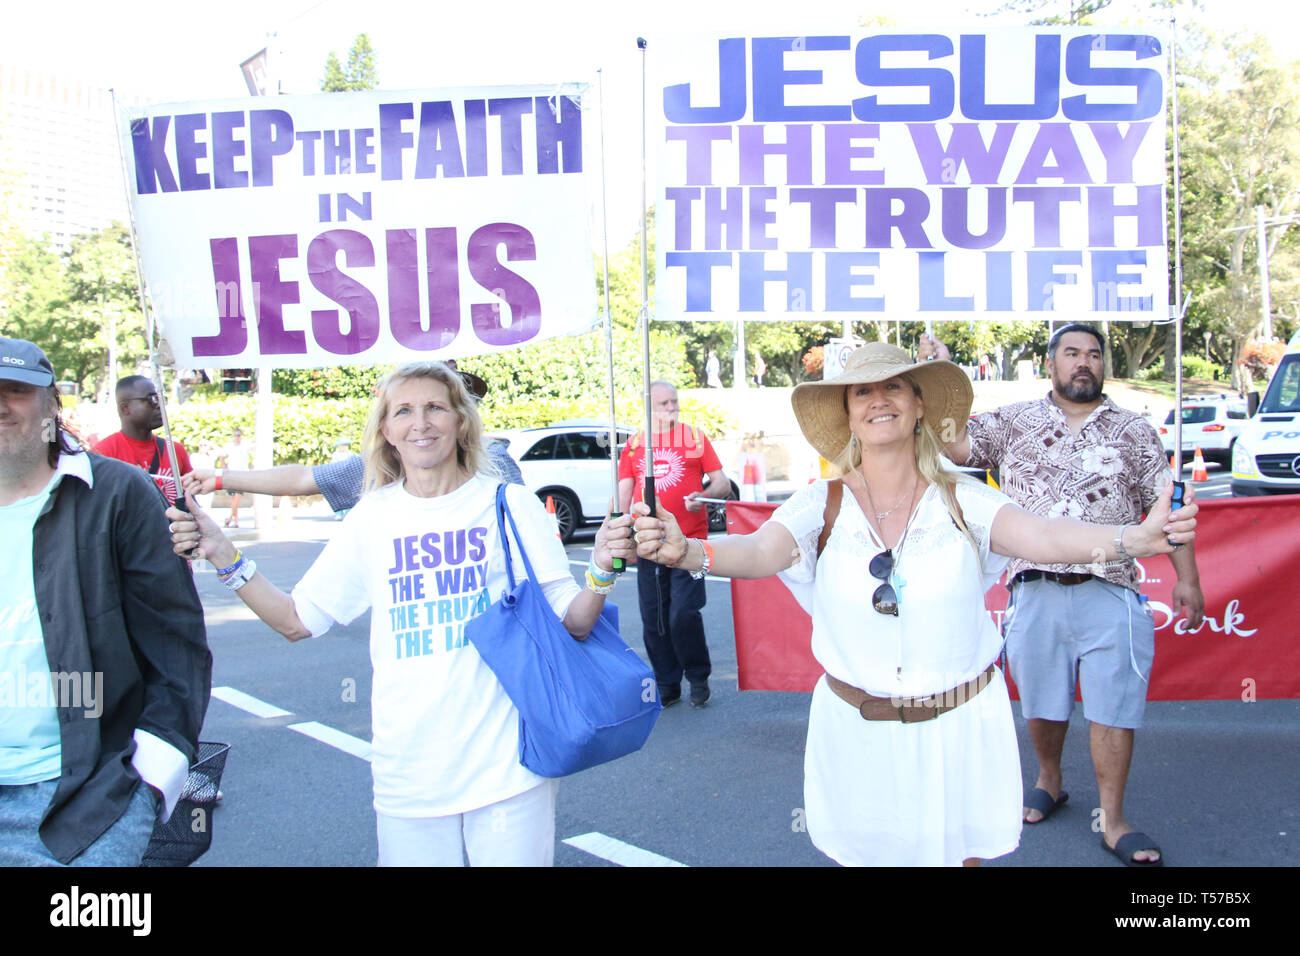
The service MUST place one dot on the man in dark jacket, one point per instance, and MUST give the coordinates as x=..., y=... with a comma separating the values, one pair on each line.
x=104, y=664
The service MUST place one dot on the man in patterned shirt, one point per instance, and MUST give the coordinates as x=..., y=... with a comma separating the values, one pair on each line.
x=1075, y=453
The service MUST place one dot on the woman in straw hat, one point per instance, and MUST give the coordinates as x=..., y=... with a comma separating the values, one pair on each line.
x=911, y=755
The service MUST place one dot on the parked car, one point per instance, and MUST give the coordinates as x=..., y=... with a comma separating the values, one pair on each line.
x=568, y=462
x=1210, y=424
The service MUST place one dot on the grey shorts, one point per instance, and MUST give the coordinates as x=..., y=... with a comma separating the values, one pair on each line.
x=1096, y=633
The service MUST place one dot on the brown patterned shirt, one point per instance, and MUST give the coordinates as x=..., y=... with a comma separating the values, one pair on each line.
x=1111, y=473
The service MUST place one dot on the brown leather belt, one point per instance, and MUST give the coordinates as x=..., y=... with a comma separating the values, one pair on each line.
x=909, y=710
x=1058, y=577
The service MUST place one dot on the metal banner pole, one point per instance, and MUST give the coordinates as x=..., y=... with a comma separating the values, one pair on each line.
x=649, y=492
x=149, y=325
x=619, y=564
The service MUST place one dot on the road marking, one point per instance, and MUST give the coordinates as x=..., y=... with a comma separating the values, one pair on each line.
x=248, y=703
x=618, y=852
x=335, y=738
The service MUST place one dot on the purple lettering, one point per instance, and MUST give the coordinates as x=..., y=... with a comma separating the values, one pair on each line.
x=225, y=148
x=719, y=215
x=822, y=208
x=681, y=197
x=232, y=330
x=511, y=288
x=760, y=217
x=309, y=140
x=363, y=310
x=955, y=204
x=1047, y=209
x=270, y=134
x=439, y=146
x=476, y=137
x=909, y=220
x=841, y=151
x=1056, y=140
x=559, y=133
x=1119, y=148
x=1149, y=211
x=337, y=149
x=152, y=169
x=966, y=147
x=264, y=255
x=699, y=142
x=392, y=138
x=189, y=151
x=841, y=280
x=797, y=150
x=754, y=276
x=511, y=110
x=699, y=275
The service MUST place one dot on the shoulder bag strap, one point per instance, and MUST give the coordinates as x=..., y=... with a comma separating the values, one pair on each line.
x=158, y=452
x=504, y=516
x=834, y=492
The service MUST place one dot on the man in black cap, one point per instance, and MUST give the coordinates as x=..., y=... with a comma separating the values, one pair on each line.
x=104, y=664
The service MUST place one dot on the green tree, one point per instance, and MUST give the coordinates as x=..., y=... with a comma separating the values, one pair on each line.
x=361, y=73
x=1241, y=149
x=68, y=306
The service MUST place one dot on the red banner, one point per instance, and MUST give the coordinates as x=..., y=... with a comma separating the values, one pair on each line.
x=1246, y=648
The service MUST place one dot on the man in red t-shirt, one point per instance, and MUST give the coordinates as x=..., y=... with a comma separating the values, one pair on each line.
x=686, y=469
x=139, y=412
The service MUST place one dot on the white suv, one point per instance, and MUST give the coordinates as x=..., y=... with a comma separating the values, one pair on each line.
x=1210, y=424
x=570, y=464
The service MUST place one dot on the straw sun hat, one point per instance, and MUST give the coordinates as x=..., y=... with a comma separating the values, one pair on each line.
x=820, y=409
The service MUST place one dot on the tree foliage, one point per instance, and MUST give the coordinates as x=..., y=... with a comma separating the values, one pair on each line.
x=67, y=305
x=361, y=73
x=1241, y=149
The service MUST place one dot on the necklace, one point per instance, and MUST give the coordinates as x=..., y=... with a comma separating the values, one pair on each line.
x=882, y=515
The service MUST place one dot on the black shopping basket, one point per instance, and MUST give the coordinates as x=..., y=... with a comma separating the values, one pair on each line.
x=187, y=835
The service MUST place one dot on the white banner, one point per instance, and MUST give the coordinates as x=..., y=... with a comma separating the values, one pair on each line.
x=1010, y=174
x=355, y=228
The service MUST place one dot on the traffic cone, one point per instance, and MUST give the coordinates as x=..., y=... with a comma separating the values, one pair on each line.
x=1198, y=467
x=550, y=510
x=749, y=482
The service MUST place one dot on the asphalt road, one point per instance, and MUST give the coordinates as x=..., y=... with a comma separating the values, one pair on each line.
x=1214, y=782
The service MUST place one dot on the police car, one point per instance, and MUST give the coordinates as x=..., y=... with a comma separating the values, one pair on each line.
x=1210, y=424
x=1266, y=456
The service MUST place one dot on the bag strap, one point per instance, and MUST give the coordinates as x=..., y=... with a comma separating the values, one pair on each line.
x=504, y=515
x=158, y=452
x=834, y=494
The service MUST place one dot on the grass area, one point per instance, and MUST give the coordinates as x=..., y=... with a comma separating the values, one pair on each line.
x=1191, y=386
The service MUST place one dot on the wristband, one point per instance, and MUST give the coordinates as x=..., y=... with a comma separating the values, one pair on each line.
x=217, y=480
x=600, y=574
x=600, y=586
x=239, y=557
x=241, y=575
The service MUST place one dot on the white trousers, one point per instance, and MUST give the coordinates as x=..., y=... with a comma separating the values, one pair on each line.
x=517, y=831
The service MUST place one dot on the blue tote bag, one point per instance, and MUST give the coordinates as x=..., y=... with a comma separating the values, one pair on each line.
x=580, y=703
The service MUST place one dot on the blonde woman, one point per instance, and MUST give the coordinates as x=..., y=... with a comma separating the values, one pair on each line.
x=911, y=754
x=421, y=552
